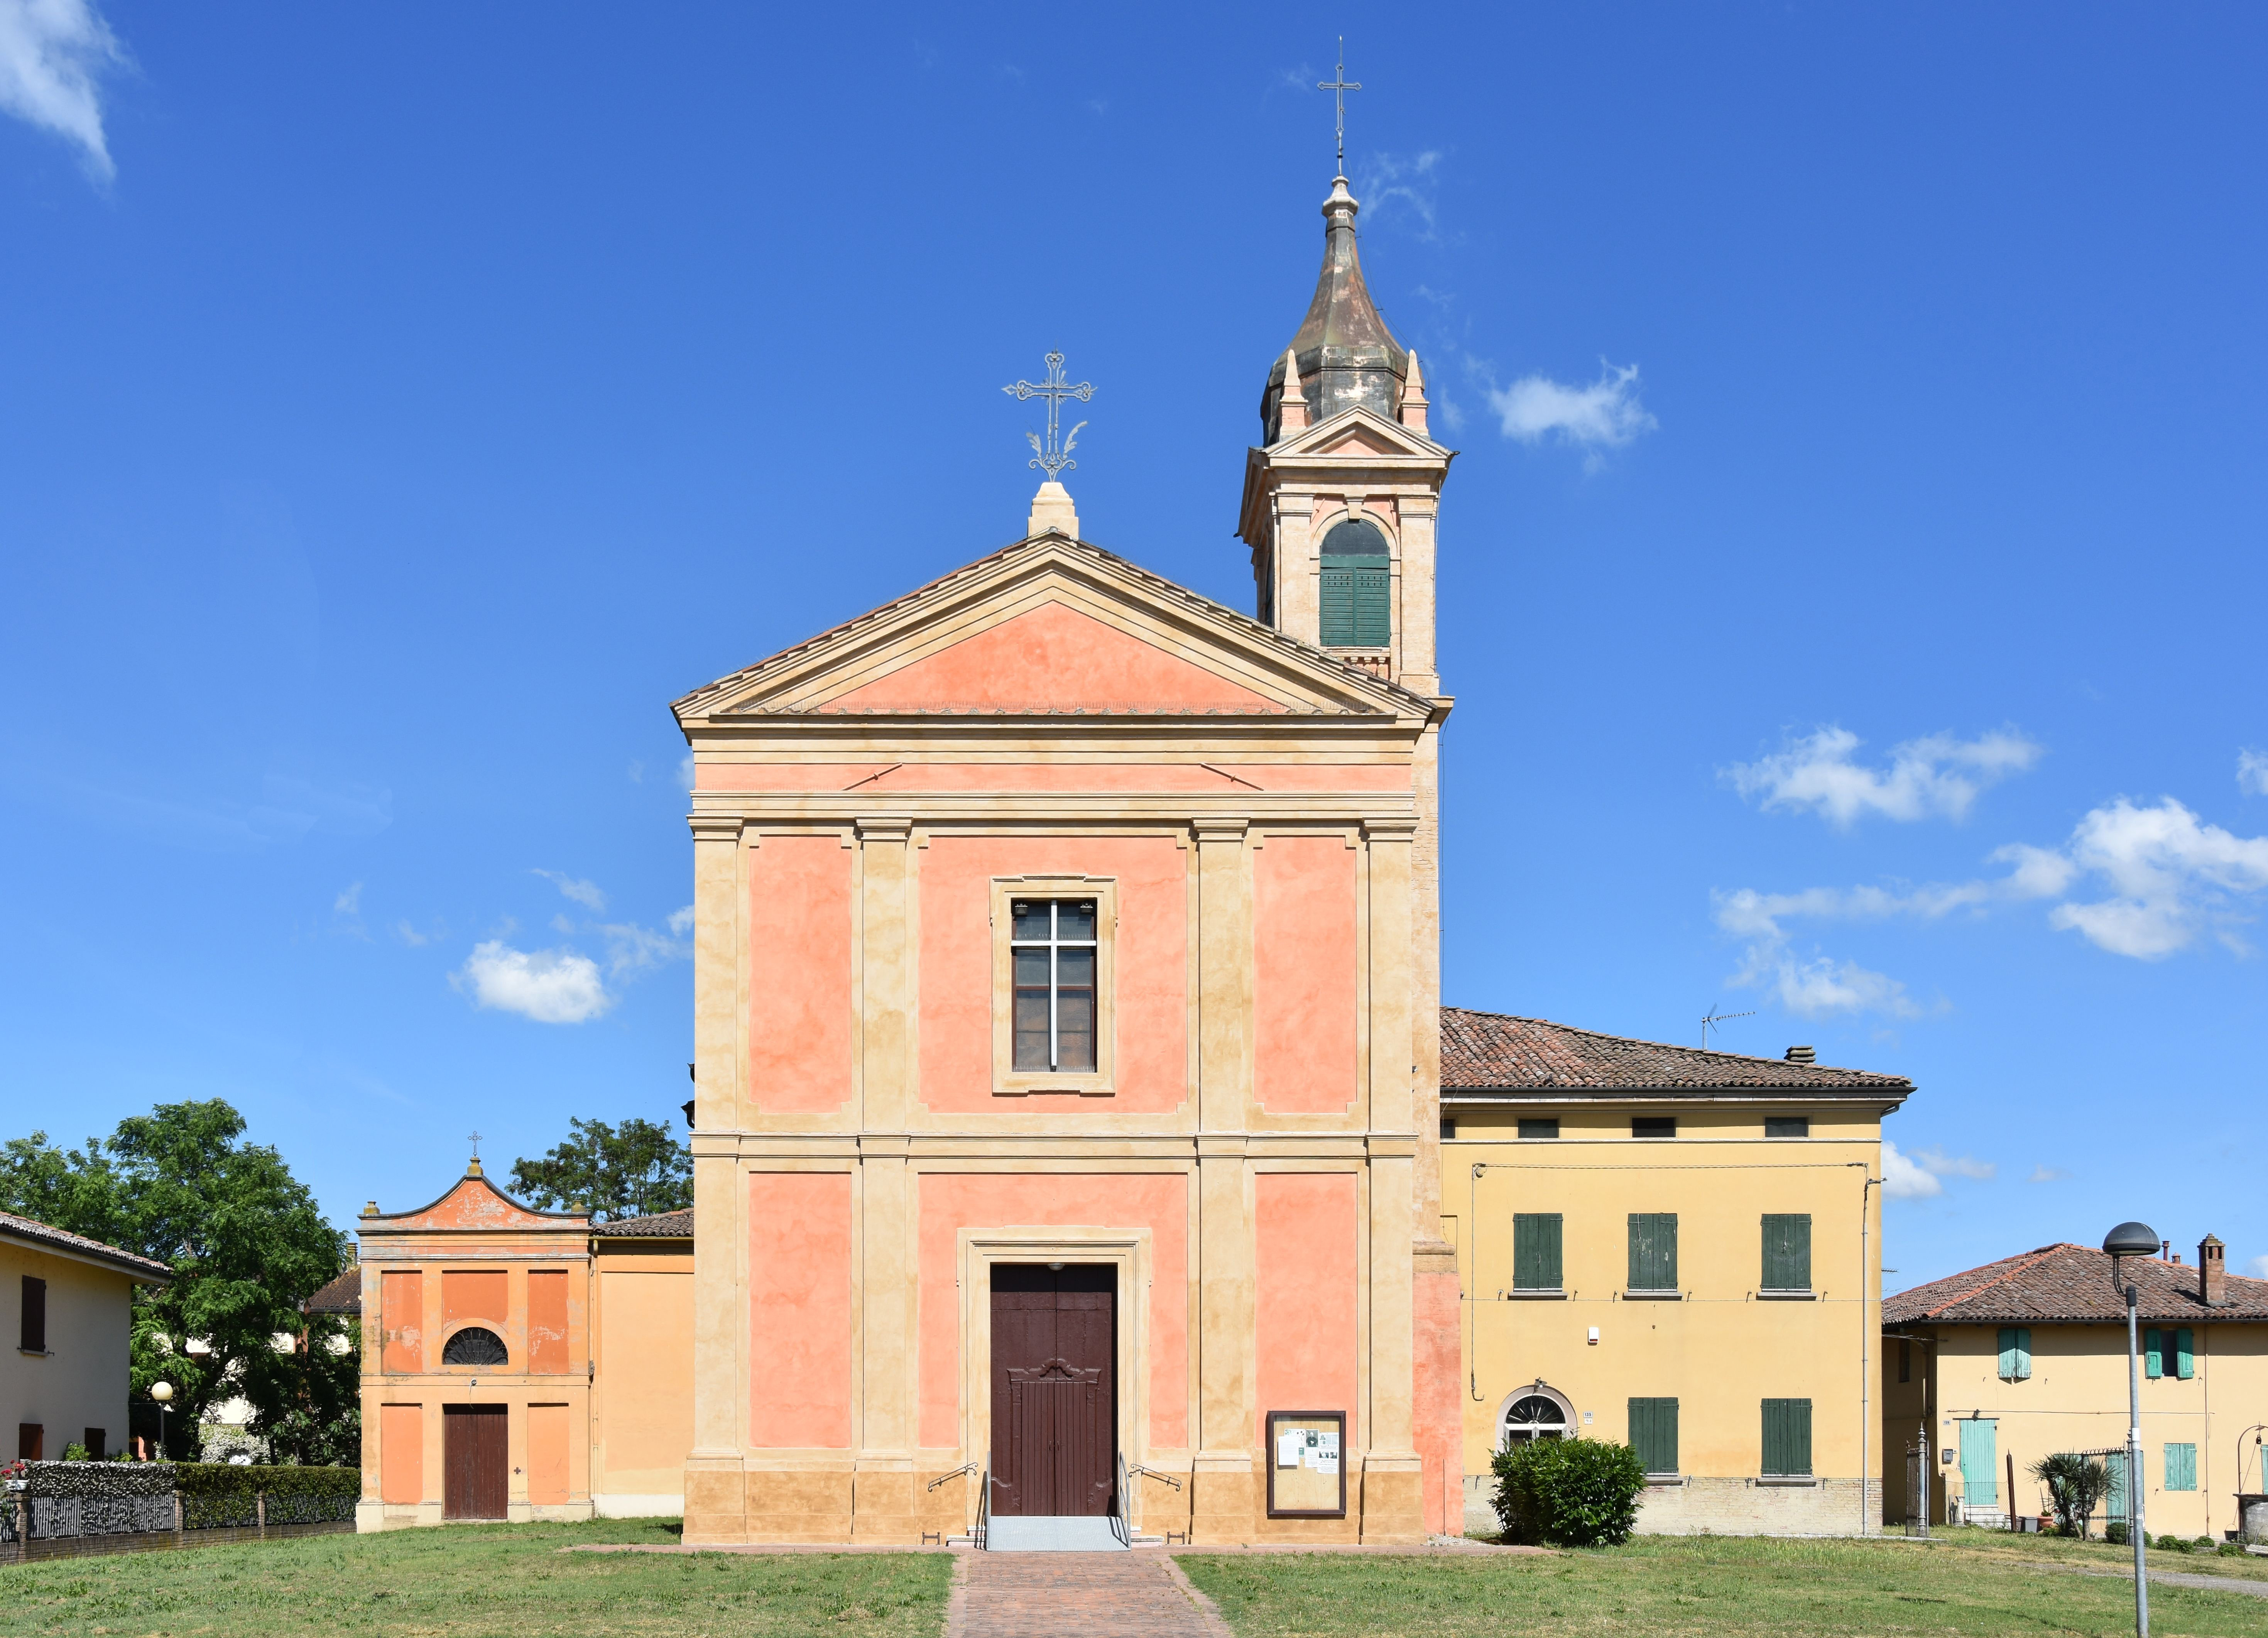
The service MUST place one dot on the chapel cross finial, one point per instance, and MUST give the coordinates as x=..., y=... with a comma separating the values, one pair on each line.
x=475, y=1139
x=1338, y=88
x=1053, y=457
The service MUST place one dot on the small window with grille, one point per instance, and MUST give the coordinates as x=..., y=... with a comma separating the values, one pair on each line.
x=1054, y=950
x=474, y=1345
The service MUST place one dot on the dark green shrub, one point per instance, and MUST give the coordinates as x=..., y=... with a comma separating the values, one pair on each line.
x=2115, y=1532
x=1569, y=1493
x=216, y=1494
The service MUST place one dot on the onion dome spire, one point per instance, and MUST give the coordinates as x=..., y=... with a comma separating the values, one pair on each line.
x=1344, y=351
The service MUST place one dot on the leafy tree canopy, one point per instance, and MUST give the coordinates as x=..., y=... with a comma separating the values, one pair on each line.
x=635, y=1171
x=244, y=1238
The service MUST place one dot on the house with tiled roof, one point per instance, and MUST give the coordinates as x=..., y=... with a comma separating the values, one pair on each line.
x=1674, y=1247
x=67, y=1301
x=1986, y=1371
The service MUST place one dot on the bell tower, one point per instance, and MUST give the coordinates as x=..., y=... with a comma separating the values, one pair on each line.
x=1341, y=494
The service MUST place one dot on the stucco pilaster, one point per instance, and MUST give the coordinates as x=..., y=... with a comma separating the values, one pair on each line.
x=885, y=1023
x=1393, y=1061
x=1223, y=974
x=886, y=1502
x=714, y=1510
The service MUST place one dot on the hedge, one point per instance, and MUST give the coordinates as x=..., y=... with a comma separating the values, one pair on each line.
x=114, y=1495
x=1570, y=1493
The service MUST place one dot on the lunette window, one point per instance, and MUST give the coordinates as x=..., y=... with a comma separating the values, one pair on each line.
x=1052, y=944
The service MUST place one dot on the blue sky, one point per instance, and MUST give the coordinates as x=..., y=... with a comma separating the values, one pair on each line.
x=1852, y=573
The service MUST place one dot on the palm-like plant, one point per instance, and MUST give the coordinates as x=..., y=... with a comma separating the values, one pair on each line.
x=2077, y=1484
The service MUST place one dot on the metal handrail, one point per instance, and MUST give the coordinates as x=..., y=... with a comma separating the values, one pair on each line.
x=965, y=1467
x=1152, y=1472
x=1123, y=1525
x=983, y=1532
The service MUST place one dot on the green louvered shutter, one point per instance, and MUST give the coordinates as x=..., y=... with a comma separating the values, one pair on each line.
x=2154, y=1352
x=2181, y=1467
x=1787, y=1252
x=2015, y=1354
x=1787, y=1438
x=1372, y=623
x=1338, y=607
x=1653, y=1434
x=1536, y=1241
x=2184, y=1354
x=2115, y=1503
x=1653, y=1250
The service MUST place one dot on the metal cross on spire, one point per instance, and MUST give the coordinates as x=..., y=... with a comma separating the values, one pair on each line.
x=1053, y=456
x=1338, y=88
x=476, y=1145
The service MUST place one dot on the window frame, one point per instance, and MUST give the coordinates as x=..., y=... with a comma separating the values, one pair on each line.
x=32, y=1318
x=1765, y=1286
x=1764, y=1448
x=1544, y=1235
x=1654, y=1410
x=1803, y=1121
x=1007, y=1080
x=1631, y=1289
x=1356, y=563
x=1525, y=1136
x=1670, y=1121
x=2015, y=1353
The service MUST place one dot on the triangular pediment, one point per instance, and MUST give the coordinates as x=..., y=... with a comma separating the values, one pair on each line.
x=1050, y=626
x=1358, y=432
x=475, y=1203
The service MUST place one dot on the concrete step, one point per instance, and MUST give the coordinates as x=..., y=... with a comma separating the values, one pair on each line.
x=1053, y=1535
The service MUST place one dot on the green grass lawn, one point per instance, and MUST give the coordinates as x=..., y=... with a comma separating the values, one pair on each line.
x=1687, y=1584
x=499, y=1580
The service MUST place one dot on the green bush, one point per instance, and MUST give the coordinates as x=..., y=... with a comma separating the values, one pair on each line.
x=2115, y=1532
x=217, y=1494
x=1569, y=1493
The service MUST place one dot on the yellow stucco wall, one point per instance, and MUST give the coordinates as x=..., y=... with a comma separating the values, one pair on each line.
x=2076, y=1400
x=1720, y=1348
x=80, y=1381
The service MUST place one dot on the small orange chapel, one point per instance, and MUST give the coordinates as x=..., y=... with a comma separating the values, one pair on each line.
x=1067, y=998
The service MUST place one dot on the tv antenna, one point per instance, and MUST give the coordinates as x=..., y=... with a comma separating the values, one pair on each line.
x=1716, y=1020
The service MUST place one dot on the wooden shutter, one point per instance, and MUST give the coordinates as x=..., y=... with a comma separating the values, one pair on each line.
x=2015, y=1354
x=1372, y=622
x=1337, y=595
x=1536, y=1251
x=2153, y=1352
x=2184, y=1354
x=1653, y=1434
x=2115, y=1503
x=2181, y=1467
x=35, y=1315
x=1653, y=1250
x=1787, y=1252
x=1787, y=1438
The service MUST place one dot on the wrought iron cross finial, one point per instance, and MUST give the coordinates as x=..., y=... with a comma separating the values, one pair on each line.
x=1053, y=457
x=1338, y=88
x=476, y=1145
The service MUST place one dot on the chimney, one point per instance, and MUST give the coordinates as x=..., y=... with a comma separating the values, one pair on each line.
x=2211, y=1272
x=1801, y=1055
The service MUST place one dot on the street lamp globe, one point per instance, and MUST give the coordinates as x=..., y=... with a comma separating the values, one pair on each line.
x=161, y=1392
x=2132, y=1240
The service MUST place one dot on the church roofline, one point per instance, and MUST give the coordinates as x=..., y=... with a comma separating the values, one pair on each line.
x=390, y=1221
x=696, y=706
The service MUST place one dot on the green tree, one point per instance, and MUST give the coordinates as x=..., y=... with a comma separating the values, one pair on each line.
x=635, y=1171
x=244, y=1238
x=316, y=1391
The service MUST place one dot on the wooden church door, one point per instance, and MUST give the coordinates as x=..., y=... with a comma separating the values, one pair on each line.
x=1055, y=1398
x=475, y=1460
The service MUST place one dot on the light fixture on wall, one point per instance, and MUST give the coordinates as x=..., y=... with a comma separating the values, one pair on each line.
x=1055, y=1268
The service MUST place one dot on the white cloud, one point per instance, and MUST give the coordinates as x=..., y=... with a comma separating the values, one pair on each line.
x=410, y=936
x=1821, y=987
x=51, y=54
x=1936, y=776
x=1902, y=1180
x=2252, y=772
x=1938, y=1163
x=349, y=903
x=2257, y=1268
x=2049, y=1174
x=638, y=772
x=631, y=947
x=1386, y=179
x=1605, y=415
x=2171, y=877
x=587, y=893
x=685, y=772
x=550, y=986
x=680, y=921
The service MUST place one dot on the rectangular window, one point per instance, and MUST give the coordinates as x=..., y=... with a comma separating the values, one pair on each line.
x=1653, y=1126
x=1653, y=1250
x=1787, y=1439
x=1653, y=1434
x=34, y=1338
x=98, y=1444
x=30, y=1441
x=2184, y=1354
x=1449, y=1127
x=1053, y=948
x=1532, y=1131
x=2015, y=1354
x=1905, y=1360
x=1536, y=1251
x=2181, y=1467
x=1787, y=1252
x=1787, y=1126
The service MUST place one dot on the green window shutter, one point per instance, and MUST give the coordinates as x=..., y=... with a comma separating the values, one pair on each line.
x=2114, y=1505
x=2184, y=1354
x=1653, y=1250
x=1787, y=1252
x=1337, y=608
x=1653, y=1434
x=2181, y=1466
x=2023, y=1353
x=2007, y=1353
x=1980, y=1468
x=2154, y=1352
x=1371, y=621
x=1536, y=1241
x=1787, y=1438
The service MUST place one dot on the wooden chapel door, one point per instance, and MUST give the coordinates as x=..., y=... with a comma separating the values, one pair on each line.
x=1055, y=1400
x=475, y=1460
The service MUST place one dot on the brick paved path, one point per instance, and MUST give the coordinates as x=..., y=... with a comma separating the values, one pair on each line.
x=1088, y=1594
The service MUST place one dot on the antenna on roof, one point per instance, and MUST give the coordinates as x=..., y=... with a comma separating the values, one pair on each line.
x=1715, y=1020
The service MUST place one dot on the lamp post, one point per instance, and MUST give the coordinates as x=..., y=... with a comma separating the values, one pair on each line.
x=163, y=1393
x=2131, y=1239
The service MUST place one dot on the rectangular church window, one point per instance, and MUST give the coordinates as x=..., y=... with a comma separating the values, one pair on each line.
x=1053, y=952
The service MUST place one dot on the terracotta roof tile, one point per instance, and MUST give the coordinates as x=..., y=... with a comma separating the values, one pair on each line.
x=1499, y=1053
x=343, y=1296
x=63, y=1240
x=2072, y=1283
x=661, y=1226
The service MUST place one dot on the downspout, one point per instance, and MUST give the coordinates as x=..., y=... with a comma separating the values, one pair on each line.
x=1865, y=1342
